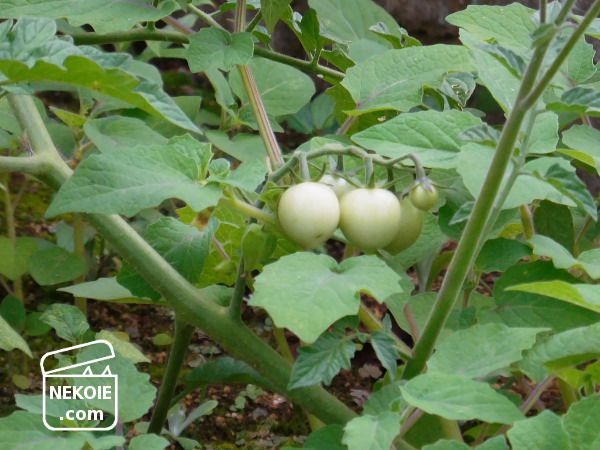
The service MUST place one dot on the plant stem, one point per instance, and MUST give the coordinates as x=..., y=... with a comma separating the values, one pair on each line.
x=255, y=21
x=250, y=210
x=466, y=251
x=181, y=38
x=204, y=16
x=235, y=307
x=581, y=235
x=11, y=231
x=79, y=247
x=282, y=344
x=372, y=324
x=190, y=303
x=527, y=221
x=183, y=335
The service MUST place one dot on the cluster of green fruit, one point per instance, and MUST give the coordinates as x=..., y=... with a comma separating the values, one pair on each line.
x=370, y=218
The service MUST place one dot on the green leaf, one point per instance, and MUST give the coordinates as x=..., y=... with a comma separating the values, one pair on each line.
x=447, y=444
x=497, y=255
x=568, y=183
x=136, y=393
x=224, y=370
x=544, y=134
x=54, y=265
x=584, y=295
x=542, y=432
x=481, y=350
x=10, y=339
x=13, y=311
x=105, y=289
x=106, y=16
x=25, y=431
x=474, y=161
x=579, y=100
x=284, y=89
x=272, y=11
x=580, y=62
x=213, y=48
x=555, y=221
x=385, y=350
x=372, y=432
x=124, y=348
x=68, y=321
x=524, y=309
x=589, y=261
x=328, y=437
x=183, y=246
x=148, y=442
x=510, y=26
x=319, y=291
x=581, y=423
x=321, y=361
x=395, y=79
x=586, y=140
x=564, y=349
x=388, y=398
x=243, y=147
x=15, y=258
x=46, y=60
x=434, y=136
x=126, y=182
x=120, y=133
x=457, y=398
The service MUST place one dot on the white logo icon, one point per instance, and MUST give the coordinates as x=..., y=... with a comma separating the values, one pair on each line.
x=74, y=403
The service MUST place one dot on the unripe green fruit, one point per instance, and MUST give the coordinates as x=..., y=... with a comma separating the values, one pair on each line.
x=411, y=225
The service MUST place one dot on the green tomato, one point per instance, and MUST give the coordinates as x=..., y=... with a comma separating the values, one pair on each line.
x=411, y=225
x=337, y=184
x=369, y=218
x=309, y=213
x=424, y=196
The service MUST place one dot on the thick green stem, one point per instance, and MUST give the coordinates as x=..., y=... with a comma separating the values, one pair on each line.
x=11, y=231
x=181, y=38
x=183, y=335
x=466, y=251
x=189, y=302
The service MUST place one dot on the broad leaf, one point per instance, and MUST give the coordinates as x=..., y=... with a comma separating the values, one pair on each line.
x=395, y=79
x=321, y=361
x=148, y=442
x=306, y=293
x=457, y=398
x=120, y=133
x=105, y=16
x=68, y=321
x=126, y=182
x=224, y=370
x=124, y=348
x=372, y=432
x=54, y=265
x=586, y=141
x=345, y=24
x=10, y=339
x=284, y=89
x=105, y=289
x=584, y=295
x=562, y=258
x=15, y=256
x=272, y=11
x=581, y=423
x=481, y=350
x=561, y=350
x=497, y=255
x=542, y=432
x=434, y=136
x=544, y=134
x=213, y=48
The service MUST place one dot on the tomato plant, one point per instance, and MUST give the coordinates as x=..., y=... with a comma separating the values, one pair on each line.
x=222, y=213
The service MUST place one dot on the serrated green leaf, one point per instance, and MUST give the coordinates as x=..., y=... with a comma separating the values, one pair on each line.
x=481, y=350
x=386, y=351
x=321, y=361
x=372, y=432
x=395, y=79
x=433, y=135
x=213, y=48
x=126, y=182
x=458, y=398
x=68, y=321
x=318, y=291
x=388, y=398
